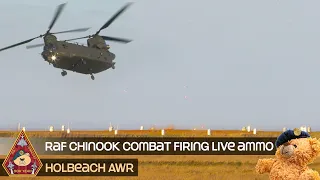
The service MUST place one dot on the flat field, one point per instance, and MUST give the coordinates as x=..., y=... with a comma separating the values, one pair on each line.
x=160, y=167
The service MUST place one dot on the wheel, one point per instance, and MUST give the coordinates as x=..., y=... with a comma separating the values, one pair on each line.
x=92, y=77
x=63, y=73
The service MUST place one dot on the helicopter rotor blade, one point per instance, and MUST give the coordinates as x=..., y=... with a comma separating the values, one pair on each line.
x=18, y=44
x=77, y=38
x=73, y=30
x=116, y=39
x=34, y=46
x=56, y=16
x=116, y=15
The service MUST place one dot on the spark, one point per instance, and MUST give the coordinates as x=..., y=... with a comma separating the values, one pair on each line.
x=53, y=58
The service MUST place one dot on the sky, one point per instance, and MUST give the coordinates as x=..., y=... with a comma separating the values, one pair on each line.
x=217, y=64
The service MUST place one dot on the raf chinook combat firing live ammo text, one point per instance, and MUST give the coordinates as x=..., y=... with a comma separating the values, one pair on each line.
x=91, y=59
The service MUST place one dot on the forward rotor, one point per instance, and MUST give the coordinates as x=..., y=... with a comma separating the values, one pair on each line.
x=55, y=17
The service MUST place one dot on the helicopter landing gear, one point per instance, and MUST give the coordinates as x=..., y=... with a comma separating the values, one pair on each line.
x=90, y=70
x=113, y=67
x=63, y=73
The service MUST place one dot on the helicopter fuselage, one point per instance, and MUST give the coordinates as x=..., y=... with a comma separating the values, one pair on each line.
x=78, y=58
x=91, y=59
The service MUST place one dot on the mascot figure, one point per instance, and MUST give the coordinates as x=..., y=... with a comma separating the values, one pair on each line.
x=295, y=151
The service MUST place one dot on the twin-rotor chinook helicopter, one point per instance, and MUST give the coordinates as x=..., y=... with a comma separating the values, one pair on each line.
x=90, y=59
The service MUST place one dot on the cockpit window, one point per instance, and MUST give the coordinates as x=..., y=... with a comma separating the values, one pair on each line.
x=49, y=47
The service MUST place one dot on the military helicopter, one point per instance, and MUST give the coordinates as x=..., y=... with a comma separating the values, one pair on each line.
x=91, y=59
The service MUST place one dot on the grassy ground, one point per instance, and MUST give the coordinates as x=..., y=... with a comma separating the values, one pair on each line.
x=178, y=167
x=185, y=167
x=149, y=133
